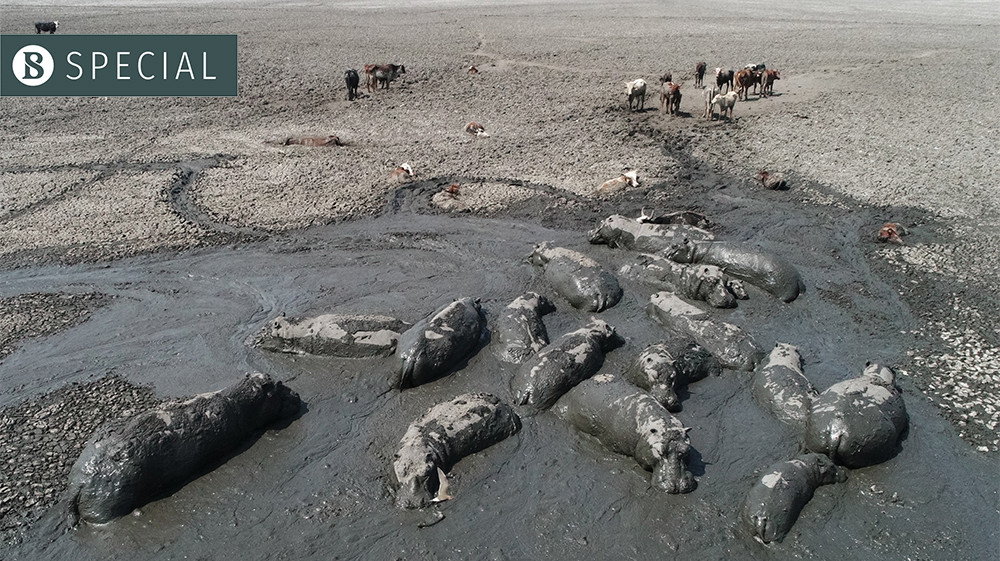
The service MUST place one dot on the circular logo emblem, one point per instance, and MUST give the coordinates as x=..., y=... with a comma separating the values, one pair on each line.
x=33, y=65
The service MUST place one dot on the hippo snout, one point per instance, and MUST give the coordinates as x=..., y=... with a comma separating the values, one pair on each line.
x=290, y=401
x=672, y=477
x=667, y=397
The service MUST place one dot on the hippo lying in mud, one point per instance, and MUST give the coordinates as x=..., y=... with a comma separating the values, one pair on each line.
x=698, y=282
x=761, y=269
x=618, y=231
x=733, y=347
x=438, y=342
x=570, y=359
x=519, y=331
x=130, y=462
x=577, y=278
x=629, y=421
x=774, y=503
x=781, y=387
x=662, y=368
x=441, y=437
x=858, y=422
x=348, y=336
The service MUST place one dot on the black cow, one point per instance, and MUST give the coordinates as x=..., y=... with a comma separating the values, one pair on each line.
x=352, y=79
x=50, y=26
x=724, y=78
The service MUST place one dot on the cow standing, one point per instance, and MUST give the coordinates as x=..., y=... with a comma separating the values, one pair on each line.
x=352, y=79
x=699, y=74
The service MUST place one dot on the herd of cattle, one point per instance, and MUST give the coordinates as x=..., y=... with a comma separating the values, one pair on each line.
x=730, y=87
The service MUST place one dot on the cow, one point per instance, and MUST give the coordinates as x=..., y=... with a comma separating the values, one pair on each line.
x=724, y=79
x=636, y=91
x=49, y=26
x=726, y=102
x=667, y=77
x=379, y=75
x=352, y=79
x=744, y=79
x=670, y=98
x=767, y=82
x=710, y=93
x=699, y=74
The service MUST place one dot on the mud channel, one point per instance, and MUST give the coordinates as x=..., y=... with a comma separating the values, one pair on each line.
x=175, y=323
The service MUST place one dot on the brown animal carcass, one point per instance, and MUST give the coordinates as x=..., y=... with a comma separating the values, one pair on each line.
x=772, y=181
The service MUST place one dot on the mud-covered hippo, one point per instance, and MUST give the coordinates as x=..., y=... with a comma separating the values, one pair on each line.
x=734, y=347
x=661, y=368
x=130, y=462
x=780, y=386
x=445, y=434
x=626, y=233
x=774, y=503
x=629, y=421
x=347, y=336
x=574, y=357
x=764, y=270
x=438, y=342
x=519, y=332
x=577, y=278
x=698, y=282
x=858, y=422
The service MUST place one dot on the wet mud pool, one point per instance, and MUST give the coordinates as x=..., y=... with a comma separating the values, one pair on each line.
x=173, y=324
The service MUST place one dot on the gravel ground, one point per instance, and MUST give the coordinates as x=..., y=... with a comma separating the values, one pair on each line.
x=869, y=121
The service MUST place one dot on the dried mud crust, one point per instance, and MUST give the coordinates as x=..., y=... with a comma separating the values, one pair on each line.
x=42, y=437
x=34, y=315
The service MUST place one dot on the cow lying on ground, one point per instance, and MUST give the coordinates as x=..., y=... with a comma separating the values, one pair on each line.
x=49, y=26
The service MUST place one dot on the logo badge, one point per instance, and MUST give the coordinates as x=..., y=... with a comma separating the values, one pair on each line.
x=33, y=65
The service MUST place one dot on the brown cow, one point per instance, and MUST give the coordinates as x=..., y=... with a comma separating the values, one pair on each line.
x=744, y=79
x=767, y=82
x=699, y=74
x=379, y=75
x=670, y=98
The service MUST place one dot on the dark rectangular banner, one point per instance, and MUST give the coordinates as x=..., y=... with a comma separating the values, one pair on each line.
x=118, y=65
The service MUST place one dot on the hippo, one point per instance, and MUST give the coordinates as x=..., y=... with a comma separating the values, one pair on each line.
x=519, y=331
x=780, y=386
x=774, y=503
x=734, y=347
x=761, y=269
x=698, y=282
x=130, y=462
x=618, y=231
x=858, y=422
x=663, y=367
x=577, y=278
x=574, y=357
x=629, y=421
x=346, y=336
x=445, y=434
x=437, y=343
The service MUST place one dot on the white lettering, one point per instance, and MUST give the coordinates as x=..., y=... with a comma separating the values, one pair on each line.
x=93, y=63
x=138, y=66
x=185, y=61
x=164, y=65
x=204, y=67
x=69, y=59
x=120, y=65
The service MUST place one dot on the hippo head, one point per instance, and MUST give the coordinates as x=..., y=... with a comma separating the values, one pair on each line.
x=680, y=252
x=665, y=395
x=882, y=375
x=601, y=234
x=827, y=471
x=538, y=254
x=277, y=401
x=416, y=484
x=671, y=474
x=605, y=333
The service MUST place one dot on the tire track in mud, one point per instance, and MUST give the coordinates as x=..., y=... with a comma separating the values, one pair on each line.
x=180, y=196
